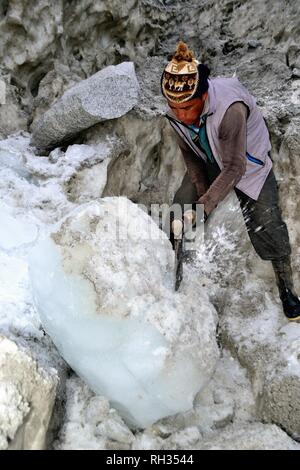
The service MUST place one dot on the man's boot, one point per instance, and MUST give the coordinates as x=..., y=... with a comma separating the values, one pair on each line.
x=284, y=280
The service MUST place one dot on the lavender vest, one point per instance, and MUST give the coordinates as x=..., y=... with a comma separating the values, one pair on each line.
x=222, y=93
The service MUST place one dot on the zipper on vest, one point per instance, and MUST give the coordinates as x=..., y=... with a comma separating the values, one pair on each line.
x=254, y=160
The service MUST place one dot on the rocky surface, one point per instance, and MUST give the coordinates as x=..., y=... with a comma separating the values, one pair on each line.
x=46, y=49
x=108, y=94
x=252, y=437
x=270, y=352
x=28, y=392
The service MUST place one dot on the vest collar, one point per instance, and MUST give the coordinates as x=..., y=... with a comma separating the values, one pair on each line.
x=211, y=97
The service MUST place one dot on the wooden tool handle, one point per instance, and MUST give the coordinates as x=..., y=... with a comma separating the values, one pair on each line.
x=177, y=228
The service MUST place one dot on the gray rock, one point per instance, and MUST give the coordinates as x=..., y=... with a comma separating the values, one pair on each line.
x=296, y=73
x=27, y=396
x=280, y=402
x=254, y=436
x=293, y=55
x=184, y=439
x=12, y=118
x=270, y=352
x=253, y=44
x=108, y=94
x=115, y=430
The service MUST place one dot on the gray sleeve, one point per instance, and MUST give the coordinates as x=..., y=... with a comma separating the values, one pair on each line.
x=232, y=136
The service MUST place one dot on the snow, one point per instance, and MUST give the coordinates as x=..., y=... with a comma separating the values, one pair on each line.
x=227, y=398
x=90, y=423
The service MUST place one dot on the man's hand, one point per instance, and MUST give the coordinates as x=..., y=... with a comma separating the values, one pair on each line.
x=177, y=228
x=189, y=220
x=189, y=217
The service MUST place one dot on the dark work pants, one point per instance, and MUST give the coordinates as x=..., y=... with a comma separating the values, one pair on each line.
x=267, y=231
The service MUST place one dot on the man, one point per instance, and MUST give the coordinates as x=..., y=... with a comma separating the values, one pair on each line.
x=225, y=144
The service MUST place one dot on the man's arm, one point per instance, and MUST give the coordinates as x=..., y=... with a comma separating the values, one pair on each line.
x=195, y=167
x=232, y=135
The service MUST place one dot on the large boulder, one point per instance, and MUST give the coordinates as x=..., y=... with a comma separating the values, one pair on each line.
x=104, y=288
x=108, y=94
x=27, y=396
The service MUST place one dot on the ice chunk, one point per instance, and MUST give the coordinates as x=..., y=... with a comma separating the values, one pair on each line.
x=104, y=291
x=15, y=231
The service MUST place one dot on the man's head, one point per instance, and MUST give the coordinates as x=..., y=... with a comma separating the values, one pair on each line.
x=184, y=81
x=189, y=111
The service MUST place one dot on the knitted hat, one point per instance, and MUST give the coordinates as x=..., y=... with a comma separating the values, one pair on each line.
x=184, y=77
